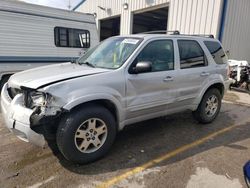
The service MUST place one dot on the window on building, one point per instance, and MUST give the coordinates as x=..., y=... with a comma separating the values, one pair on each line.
x=216, y=51
x=191, y=54
x=160, y=53
x=72, y=38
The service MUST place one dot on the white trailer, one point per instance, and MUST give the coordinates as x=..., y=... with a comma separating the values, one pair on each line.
x=33, y=35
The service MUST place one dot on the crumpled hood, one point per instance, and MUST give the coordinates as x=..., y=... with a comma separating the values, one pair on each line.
x=46, y=75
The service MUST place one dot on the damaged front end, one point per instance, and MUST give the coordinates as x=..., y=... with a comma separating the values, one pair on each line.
x=43, y=105
x=44, y=111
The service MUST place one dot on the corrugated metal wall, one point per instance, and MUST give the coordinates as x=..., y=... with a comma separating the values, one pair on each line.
x=116, y=9
x=91, y=6
x=237, y=29
x=188, y=16
x=195, y=16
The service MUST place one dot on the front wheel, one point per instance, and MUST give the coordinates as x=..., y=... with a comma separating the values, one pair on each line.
x=86, y=134
x=209, y=107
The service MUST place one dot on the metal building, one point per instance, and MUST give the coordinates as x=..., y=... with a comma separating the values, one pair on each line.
x=227, y=20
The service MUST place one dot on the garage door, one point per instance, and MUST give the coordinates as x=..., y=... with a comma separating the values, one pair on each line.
x=153, y=20
x=109, y=27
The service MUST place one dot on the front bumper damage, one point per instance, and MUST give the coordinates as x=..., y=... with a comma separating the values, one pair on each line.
x=18, y=118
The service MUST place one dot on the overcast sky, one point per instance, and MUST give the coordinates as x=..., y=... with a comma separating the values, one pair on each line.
x=64, y=4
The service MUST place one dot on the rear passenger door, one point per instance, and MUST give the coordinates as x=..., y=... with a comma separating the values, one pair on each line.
x=194, y=71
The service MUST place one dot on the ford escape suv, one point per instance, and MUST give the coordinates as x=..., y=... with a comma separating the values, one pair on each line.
x=124, y=80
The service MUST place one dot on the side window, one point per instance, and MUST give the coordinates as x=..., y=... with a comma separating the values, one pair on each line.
x=216, y=51
x=72, y=38
x=160, y=53
x=191, y=54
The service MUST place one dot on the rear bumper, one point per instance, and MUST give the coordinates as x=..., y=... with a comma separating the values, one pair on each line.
x=17, y=118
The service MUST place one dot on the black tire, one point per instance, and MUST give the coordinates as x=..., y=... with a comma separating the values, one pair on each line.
x=70, y=123
x=200, y=114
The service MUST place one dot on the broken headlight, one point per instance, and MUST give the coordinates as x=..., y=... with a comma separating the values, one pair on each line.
x=38, y=98
x=35, y=98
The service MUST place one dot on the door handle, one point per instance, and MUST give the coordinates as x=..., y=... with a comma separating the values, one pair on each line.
x=205, y=74
x=168, y=79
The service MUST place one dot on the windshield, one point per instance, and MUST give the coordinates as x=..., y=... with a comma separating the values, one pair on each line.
x=111, y=53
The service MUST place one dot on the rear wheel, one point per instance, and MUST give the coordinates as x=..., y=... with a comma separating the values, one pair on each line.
x=209, y=107
x=87, y=134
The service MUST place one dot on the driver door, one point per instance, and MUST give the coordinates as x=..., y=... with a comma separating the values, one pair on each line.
x=150, y=92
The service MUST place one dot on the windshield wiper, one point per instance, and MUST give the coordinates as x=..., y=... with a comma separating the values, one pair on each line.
x=88, y=64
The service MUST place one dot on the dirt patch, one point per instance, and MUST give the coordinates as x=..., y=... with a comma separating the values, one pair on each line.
x=231, y=97
x=207, y=179
x=30, y=158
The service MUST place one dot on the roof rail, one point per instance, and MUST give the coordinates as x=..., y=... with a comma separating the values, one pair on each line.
x=201, y=35
x=176, y=32
x=162, y=32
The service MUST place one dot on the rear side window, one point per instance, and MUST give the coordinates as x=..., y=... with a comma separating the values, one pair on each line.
x=191, y=54
x=216, y=51
x=71, y=38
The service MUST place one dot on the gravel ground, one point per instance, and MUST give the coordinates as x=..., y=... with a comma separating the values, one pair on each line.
x=216, y=163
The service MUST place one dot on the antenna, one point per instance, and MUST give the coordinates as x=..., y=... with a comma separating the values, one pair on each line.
x=69, y=5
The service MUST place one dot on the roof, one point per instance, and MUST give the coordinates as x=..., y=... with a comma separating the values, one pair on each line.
x=183, y=36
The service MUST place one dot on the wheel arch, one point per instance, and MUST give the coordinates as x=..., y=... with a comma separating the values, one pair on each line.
x=102, y=102
x=109, y=102
x=218, y=85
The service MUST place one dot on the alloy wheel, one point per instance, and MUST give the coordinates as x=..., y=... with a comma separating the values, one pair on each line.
x=91, y=135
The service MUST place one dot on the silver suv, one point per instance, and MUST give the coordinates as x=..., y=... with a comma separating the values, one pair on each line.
x=124, y=80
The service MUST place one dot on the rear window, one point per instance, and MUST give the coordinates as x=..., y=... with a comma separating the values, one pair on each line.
x=216, y=51
x=191, y=54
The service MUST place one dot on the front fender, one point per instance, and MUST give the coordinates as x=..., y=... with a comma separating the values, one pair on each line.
x=97, y=96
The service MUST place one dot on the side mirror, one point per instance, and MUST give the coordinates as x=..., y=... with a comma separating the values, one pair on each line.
x=142, y=67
